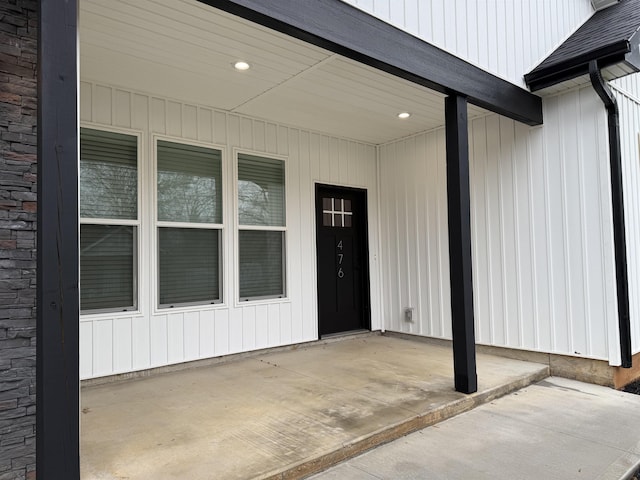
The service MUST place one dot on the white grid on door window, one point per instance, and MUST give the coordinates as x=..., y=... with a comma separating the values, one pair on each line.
x=336, y=212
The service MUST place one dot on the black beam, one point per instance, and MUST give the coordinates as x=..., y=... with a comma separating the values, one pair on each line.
x=459, y=211
x=57, y=374
x=343, y=29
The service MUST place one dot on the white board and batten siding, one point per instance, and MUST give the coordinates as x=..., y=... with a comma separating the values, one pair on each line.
x=543, y=261
x=152, y=337
x=627, y=93
x=505, y=37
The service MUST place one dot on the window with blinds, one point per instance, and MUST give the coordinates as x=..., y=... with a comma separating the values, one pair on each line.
x=189, y=207
x=109, y=221
x=261, y=227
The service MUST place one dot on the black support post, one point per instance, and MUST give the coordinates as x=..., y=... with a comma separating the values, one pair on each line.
x=458, y=202
x=57, y=374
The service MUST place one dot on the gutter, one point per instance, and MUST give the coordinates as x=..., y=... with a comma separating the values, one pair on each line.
x=617, y=200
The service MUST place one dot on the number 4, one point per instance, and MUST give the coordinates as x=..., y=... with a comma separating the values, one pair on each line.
x=340, y=244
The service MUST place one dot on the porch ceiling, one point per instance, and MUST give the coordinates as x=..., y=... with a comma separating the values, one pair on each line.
x=184, y=49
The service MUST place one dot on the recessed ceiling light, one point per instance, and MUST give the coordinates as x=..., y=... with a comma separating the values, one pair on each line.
x=241, y=66
x=404, y=115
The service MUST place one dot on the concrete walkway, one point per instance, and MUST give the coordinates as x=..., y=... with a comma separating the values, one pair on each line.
x=555, y=429
x=282, y=415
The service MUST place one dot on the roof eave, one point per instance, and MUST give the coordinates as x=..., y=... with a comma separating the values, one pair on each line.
x=612, y=54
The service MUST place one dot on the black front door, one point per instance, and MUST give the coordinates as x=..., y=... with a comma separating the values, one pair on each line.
x=342, y=252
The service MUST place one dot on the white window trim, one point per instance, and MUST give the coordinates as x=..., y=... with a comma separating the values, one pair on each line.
x=156, y=224
x=238, y=302
x=139, y=309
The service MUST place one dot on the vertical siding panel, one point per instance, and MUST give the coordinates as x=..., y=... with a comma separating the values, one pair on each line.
x=334, y=160
x=524, y=234
x=271, y=139
x=102, y=347
x=286, y=324
x=122, y=104
x=205, y=124
x=206, y=337
x=433, y=234
x=102, y=104
x=283, y=140
x=86, y=350
x=192, y=335
x=438, y=22
x=158, y=116
x=556, y=219
x=221, y=332
x=461, y=29
x=140, y=339
x=259, y=141
x=478, y=149
x=159, y=341
x=411, y=16
x=122, y=347
x=249, y=328
x=86, y=113
x=494, y=226
x=509, y=240
x=262, y=326
x=294, y=262
x=306, y=257
x=246, y=133
x=219, y=127
x=443, y=237
x=274, y=326
x=174, y=118
x=542, y=276
x=140, y=112
x=175, y=337
x=190, y=122
x=420, y=208
x=324, y=163
x=235, y=330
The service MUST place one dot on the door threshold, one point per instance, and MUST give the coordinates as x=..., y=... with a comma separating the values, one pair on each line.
x=345, y=334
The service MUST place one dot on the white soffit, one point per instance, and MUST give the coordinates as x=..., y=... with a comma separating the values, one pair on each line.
x=185, y=50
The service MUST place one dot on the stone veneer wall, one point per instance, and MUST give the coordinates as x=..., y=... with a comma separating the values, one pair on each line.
x=18, y=115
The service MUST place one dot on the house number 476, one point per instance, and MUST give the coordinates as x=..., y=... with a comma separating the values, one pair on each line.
x=340, y=259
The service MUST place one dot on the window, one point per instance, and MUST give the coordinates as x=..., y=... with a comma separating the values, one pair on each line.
x=189, y=220
x=261, y=227
x=108, y=221
x=336, y=212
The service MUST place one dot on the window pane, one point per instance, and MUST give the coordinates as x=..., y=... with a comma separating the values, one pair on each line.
x=108, y=175
x=107, y=271
x=189, y=265
x=189, y=183
x=260, y=191
x=261, y=264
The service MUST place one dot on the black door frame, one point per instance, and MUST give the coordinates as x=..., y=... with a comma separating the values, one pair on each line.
x=366, y=278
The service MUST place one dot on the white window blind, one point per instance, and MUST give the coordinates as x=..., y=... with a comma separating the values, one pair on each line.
x=189, y=265
x=189, y=186
x=107, y=267
x=108, y=175
x=108, y=215
x=262, y=227
x=189, y=183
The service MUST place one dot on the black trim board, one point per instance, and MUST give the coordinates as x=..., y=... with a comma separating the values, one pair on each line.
x=343, y=29
x=57, y=350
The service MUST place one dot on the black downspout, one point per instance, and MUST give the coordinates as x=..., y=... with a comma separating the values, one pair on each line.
x=617, y=200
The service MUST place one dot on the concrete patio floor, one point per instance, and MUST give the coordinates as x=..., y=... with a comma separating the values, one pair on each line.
x=280, y=415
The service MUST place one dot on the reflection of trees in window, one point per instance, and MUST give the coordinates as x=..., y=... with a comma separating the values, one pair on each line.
x=108, y=190
x=253, y=203
x=187, y=197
